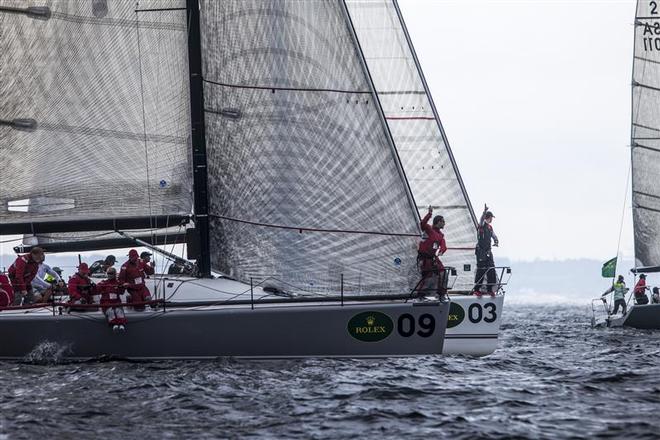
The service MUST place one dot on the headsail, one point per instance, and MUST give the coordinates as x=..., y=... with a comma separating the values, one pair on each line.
x=103, y=86
x=416, y=129
x=295, y=140
x=645, y=134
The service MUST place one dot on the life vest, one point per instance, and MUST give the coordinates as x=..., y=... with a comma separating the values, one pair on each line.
x=620, y=290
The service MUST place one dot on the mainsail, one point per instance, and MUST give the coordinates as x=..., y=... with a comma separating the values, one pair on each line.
x=645, y=133
x=95, y=114
x=305, y=185
x=416, y=129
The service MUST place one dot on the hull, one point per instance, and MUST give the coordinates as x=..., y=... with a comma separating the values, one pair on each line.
x=639, y=316
x=474, y=324
x=378, y=329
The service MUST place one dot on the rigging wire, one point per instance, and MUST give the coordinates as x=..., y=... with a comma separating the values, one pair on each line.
x=623, y=214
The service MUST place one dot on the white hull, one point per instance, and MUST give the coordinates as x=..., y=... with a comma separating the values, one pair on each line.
x=477, y=331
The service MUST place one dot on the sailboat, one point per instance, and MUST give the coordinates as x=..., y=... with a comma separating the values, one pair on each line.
x=645, y=162
x=251, y=131
x=430, y=167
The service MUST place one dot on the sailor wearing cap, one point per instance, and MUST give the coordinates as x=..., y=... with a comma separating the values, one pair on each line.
x=485, y=263
x=146, y=264
x=640, y=290
x=131, y=277
x=81, y=288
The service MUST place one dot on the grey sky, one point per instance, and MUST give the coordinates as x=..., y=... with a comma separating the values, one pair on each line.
x=535, y=99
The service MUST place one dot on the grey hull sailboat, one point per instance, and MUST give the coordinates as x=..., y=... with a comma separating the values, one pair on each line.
x=251, y=126
x=645, y=165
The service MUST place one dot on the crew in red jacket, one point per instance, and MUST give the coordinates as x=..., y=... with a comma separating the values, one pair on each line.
x=430, y=249
x=22, y=272
x=146, y=264
x=81, y=288
x=131, y=277
x=640, y=291
x=6, y=291
x=111, y=291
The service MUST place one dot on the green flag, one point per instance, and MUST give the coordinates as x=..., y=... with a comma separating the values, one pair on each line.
x=609, y=268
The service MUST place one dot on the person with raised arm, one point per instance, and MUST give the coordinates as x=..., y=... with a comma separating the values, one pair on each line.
x=431, y=248
x=484, y=254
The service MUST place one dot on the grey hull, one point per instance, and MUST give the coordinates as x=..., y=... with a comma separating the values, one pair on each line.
x=643, y=317
x=404, y=329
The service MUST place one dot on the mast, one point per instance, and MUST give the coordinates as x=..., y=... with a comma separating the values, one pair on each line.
x=198, y=136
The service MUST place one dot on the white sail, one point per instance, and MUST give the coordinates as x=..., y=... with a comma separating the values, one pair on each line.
x=416, y=129
x=295, y=139
x=645, y=134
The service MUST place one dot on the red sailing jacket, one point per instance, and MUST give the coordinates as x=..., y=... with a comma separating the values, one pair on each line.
x=22, y=272
x=640, y=287
x=110, y=291
x=133, y=274
x=433, y=245
x=6, y=291
x=146, y=268
x=81, y=288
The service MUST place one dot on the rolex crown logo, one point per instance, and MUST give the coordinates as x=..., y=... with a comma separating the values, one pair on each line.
x=371, y=320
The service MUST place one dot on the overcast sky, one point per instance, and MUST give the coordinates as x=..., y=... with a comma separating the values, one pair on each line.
x=535, y=99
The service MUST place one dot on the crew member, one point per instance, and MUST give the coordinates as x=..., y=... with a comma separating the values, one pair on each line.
x=43, y=283
x=131, y=277
x=111, y=291
x=6, y=291
x=81, y=288
x=102, y=266
x=22, y=272
x=485, y=263
x=619, y=291
x=430, y=249
x=640, y=291
x=146, y=264
x=655, y=296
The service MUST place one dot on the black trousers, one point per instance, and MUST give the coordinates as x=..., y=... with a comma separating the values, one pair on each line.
x=485, y=272
x=622, y=303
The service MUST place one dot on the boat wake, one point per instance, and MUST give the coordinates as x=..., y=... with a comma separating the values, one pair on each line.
x=47, y=353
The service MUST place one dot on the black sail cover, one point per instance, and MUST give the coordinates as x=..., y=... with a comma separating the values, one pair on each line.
x=416, y=129
x=295, y=139
x=107, y=84
x=646, y=134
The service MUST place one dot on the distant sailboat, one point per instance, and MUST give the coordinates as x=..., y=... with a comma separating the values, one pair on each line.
x=645, y=157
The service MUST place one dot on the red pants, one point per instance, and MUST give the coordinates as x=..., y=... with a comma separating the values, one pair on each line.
x=6, y=298
x=139, y=294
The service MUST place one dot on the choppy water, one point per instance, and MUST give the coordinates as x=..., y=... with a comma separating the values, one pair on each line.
x=553, y=376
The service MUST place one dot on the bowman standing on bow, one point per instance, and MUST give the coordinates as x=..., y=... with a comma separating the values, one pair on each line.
x=485, y=262
x=618, y=291
x=428, y=257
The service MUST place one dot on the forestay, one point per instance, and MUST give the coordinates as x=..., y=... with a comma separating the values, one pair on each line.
x=106, y=83
x=416, y=129
x=646, y=134
x=295, y=140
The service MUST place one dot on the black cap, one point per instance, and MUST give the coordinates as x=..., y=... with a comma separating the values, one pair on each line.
x=57, y=269
x=643, y=275
x=145, y=254
x=488, y=214
x=110, y=259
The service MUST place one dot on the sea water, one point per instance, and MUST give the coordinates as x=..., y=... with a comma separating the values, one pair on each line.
x=552, y=376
